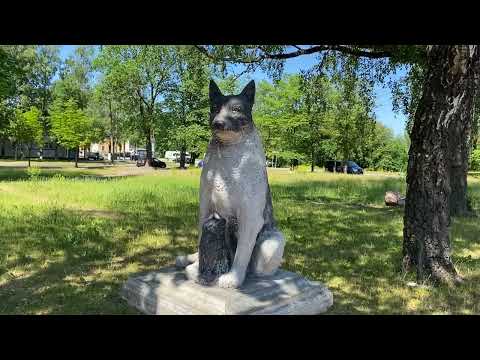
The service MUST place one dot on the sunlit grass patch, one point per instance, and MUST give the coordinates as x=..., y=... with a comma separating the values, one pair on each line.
x=67, y=243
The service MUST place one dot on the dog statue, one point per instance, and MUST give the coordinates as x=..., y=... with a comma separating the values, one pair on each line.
x=234, y=187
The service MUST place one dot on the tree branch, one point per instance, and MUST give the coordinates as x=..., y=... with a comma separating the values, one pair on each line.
x=345, y=49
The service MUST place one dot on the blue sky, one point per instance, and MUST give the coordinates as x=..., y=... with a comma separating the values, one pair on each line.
x=383, y=97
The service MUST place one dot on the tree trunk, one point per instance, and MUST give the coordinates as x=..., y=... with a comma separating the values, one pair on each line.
x=148, y=140
x=76, y=157
x=28, y=153
x=444, y=108
x=112, y=131
x=112, y=145
x=313, y=161
x=16, y=152
x=193, y=157
x=460, y=137
x=458, y=180
x=182, y=157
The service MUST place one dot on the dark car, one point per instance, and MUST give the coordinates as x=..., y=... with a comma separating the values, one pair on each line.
x=333, y=166
x=352, y=167
x=156, y=163
x=94, y=156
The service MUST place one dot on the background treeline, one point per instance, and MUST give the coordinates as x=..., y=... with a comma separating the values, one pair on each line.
x=157, y=96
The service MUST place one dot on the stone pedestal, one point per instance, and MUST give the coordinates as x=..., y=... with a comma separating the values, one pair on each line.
x=169, y=292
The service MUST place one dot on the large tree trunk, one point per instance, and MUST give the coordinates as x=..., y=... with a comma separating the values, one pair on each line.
x=148, y=140
x=182, y=157
x=458, y=176
x=445, y=108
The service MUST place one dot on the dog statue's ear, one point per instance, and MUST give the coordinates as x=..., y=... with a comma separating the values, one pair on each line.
x=214, y=92
x=249, y=92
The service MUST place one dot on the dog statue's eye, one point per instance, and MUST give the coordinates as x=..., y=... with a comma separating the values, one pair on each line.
x=236, y=108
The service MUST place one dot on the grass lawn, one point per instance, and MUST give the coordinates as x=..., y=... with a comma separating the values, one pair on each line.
x=68, y=243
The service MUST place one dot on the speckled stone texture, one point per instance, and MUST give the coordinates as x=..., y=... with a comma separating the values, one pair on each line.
x=168, y=292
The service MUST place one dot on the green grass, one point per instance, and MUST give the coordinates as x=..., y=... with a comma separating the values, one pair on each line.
x=68, y=243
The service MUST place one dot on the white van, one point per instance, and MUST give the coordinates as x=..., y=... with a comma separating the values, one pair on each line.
x=172, y=155
x=175, y=156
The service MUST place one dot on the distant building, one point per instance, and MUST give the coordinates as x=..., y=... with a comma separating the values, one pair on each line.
x=104, y=148
x=50, y=150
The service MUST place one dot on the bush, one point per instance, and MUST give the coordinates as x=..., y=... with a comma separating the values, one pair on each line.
x=34, y=172
x=475, y=160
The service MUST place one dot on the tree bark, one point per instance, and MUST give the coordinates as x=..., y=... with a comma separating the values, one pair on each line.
x=193, y=157
x=148, y=140
x=76, y=157
x=182, y=157
x=29, y=153
x=312, y=166
x=444, y=108
x=458, y=179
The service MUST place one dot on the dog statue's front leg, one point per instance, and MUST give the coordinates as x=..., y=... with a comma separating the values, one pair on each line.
x=248, y=229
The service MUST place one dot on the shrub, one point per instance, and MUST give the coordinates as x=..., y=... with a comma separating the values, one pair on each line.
x=34, y=172
x=475, y=160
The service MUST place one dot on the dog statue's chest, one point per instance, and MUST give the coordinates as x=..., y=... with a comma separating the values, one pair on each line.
x=233, y=176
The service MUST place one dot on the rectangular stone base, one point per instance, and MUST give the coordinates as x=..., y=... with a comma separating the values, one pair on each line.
x=169, y=292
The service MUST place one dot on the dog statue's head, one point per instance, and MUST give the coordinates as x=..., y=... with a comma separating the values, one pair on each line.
x=231, y=116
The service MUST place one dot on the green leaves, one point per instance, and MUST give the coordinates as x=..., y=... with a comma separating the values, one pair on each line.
x=70, y=125
x=475, y=160
x=26, y=128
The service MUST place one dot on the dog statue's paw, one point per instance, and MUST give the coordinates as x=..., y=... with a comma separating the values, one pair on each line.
x=230, y=280
x=192, y=271
x=181, y=261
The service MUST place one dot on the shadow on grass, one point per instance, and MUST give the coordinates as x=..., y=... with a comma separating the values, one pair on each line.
x=75, y=263
x=59, y=261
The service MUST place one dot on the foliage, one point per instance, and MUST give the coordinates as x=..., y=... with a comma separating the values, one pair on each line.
x=187, y=103
x=25, y=128
x=75, y=77
x=34, y=172
x=137, y=78
x=300, y=116
x=70, y=125
x=475, y=160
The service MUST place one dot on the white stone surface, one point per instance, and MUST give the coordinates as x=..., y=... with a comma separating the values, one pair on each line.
x=169, y=292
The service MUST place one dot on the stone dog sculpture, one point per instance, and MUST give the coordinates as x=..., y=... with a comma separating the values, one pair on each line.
x=235, y=201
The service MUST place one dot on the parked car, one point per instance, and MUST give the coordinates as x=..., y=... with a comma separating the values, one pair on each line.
x=352, y=167
x=156, y=163
x=94, y=156
x=175, y=156
x=138, y=154
x=332, y=166
x=172, y=155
